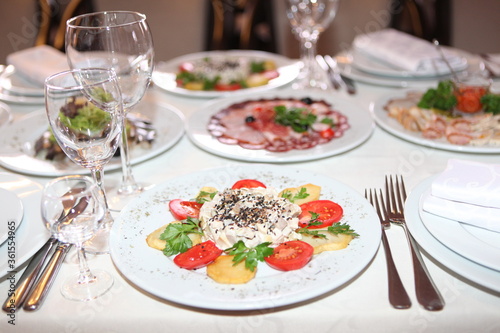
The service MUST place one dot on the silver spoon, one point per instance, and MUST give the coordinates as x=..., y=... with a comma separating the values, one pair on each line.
x=440, y=50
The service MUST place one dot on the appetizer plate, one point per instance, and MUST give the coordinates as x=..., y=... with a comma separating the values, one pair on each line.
x=360, y=121
x=31, y=233
x=14, y=83
x=474, y=243
x=12, y=213
x=394, y=127
x=165, y=72
x=457, y=263
x=155, y=273
x=5, y=114
x=17, y=142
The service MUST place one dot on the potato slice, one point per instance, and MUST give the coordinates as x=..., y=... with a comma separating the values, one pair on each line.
x=314, y=192
x=332, y=242
x=223, y=270
x=205, y=192
x=154, y=241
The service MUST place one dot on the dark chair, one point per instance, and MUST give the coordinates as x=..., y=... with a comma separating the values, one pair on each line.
x=427, y=19
x=53, y=15
x=240, y=24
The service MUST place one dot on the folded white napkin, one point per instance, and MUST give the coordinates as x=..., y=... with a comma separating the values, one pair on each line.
x=404, y=51
x=467, y=192
x=38, y=62
x=493, y=64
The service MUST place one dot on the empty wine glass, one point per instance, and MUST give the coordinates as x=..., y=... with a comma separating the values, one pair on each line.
x=85, y=113
x=76, y=227
x=120, y=40
x=309, y=18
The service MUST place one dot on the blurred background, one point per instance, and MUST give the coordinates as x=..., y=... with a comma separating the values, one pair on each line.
x=185, y=26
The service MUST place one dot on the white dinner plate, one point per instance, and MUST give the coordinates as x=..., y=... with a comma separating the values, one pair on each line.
x=31, y=234
x=17, y=142
x=12, y=213
x=7, y=96
x=376, y=67
x=474, y=243
x=462, y=266
x=155, y=273
x=14, y=83
x=165, y=72
x=360, y=121
x=392, y=126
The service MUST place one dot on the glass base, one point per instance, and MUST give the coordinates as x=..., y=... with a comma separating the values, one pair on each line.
x=119, y=198
x=75, y=291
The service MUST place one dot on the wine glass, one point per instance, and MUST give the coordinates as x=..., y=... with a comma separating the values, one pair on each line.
x=120, y=40
x=76, y=227
x=309, y=18
x=85, y=113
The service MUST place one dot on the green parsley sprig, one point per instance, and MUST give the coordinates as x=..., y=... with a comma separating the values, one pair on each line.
x=252, y=256
x=299, y=119
x=176, y=236
x=302, y=194
x=203, y=196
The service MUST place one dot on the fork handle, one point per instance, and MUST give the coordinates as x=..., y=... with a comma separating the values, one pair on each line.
x=398, y=297
x=427, y=294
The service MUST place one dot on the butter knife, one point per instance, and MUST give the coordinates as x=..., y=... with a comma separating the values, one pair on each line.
x=44, y=283
x=324, y=66
x=349, y=83
x=16, y=299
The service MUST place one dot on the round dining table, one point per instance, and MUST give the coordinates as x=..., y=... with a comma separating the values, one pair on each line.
x=359, y=305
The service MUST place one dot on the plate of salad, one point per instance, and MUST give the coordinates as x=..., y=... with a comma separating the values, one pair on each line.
x=19, y=141
x=225, y=73
x=158, y=274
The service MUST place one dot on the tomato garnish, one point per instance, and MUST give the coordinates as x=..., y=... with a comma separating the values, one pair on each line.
x=469, y=98
x=227, y=87
x=327, y=134
x=247, y=183
x=328, y=212
x=181, y=210
x=290, y=255
x=198, y=256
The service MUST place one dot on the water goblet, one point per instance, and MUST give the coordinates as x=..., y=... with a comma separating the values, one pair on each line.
x=85, y=114
x=75, y=227
x=309, y=18
x=120, y=40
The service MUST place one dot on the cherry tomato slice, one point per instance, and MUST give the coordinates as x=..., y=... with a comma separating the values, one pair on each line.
x=181, y=210
x=198, y=256
x=227, y=87
x=290, y=255
x=328, y=212
x=327, y=134
x=247, y=183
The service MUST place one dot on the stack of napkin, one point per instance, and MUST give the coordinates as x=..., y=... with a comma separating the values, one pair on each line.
x=403, y=51
x=37, y=63
x=467, y=192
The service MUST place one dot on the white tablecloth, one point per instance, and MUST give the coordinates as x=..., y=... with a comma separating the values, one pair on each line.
x=359, y=306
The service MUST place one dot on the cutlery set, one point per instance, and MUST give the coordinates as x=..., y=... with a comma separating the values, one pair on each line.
x=34, y=285
x=391, y=210
x=329, y=65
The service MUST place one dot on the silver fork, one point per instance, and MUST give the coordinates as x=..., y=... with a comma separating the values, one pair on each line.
x=427, y=294
x=398, y=297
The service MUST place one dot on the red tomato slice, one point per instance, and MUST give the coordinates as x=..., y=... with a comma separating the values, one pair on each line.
x=328, y=212
x=327, y=134
x=290, y=255
x=181, y=210
x=227, y=87
x=198, y=256
x=247, y=183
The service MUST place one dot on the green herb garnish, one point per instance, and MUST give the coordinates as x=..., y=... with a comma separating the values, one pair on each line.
x=299, y=119
x=342, y=228
x=302, y=194
x=252, y=256
x=176, y=236
x=203, y=196
x=257, y=67
x=491, y=103
x=442, y=98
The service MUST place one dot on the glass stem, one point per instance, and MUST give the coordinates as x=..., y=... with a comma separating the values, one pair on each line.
x=86, y=275
x=310, y=50
x=97, y=175
x=128, y=184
